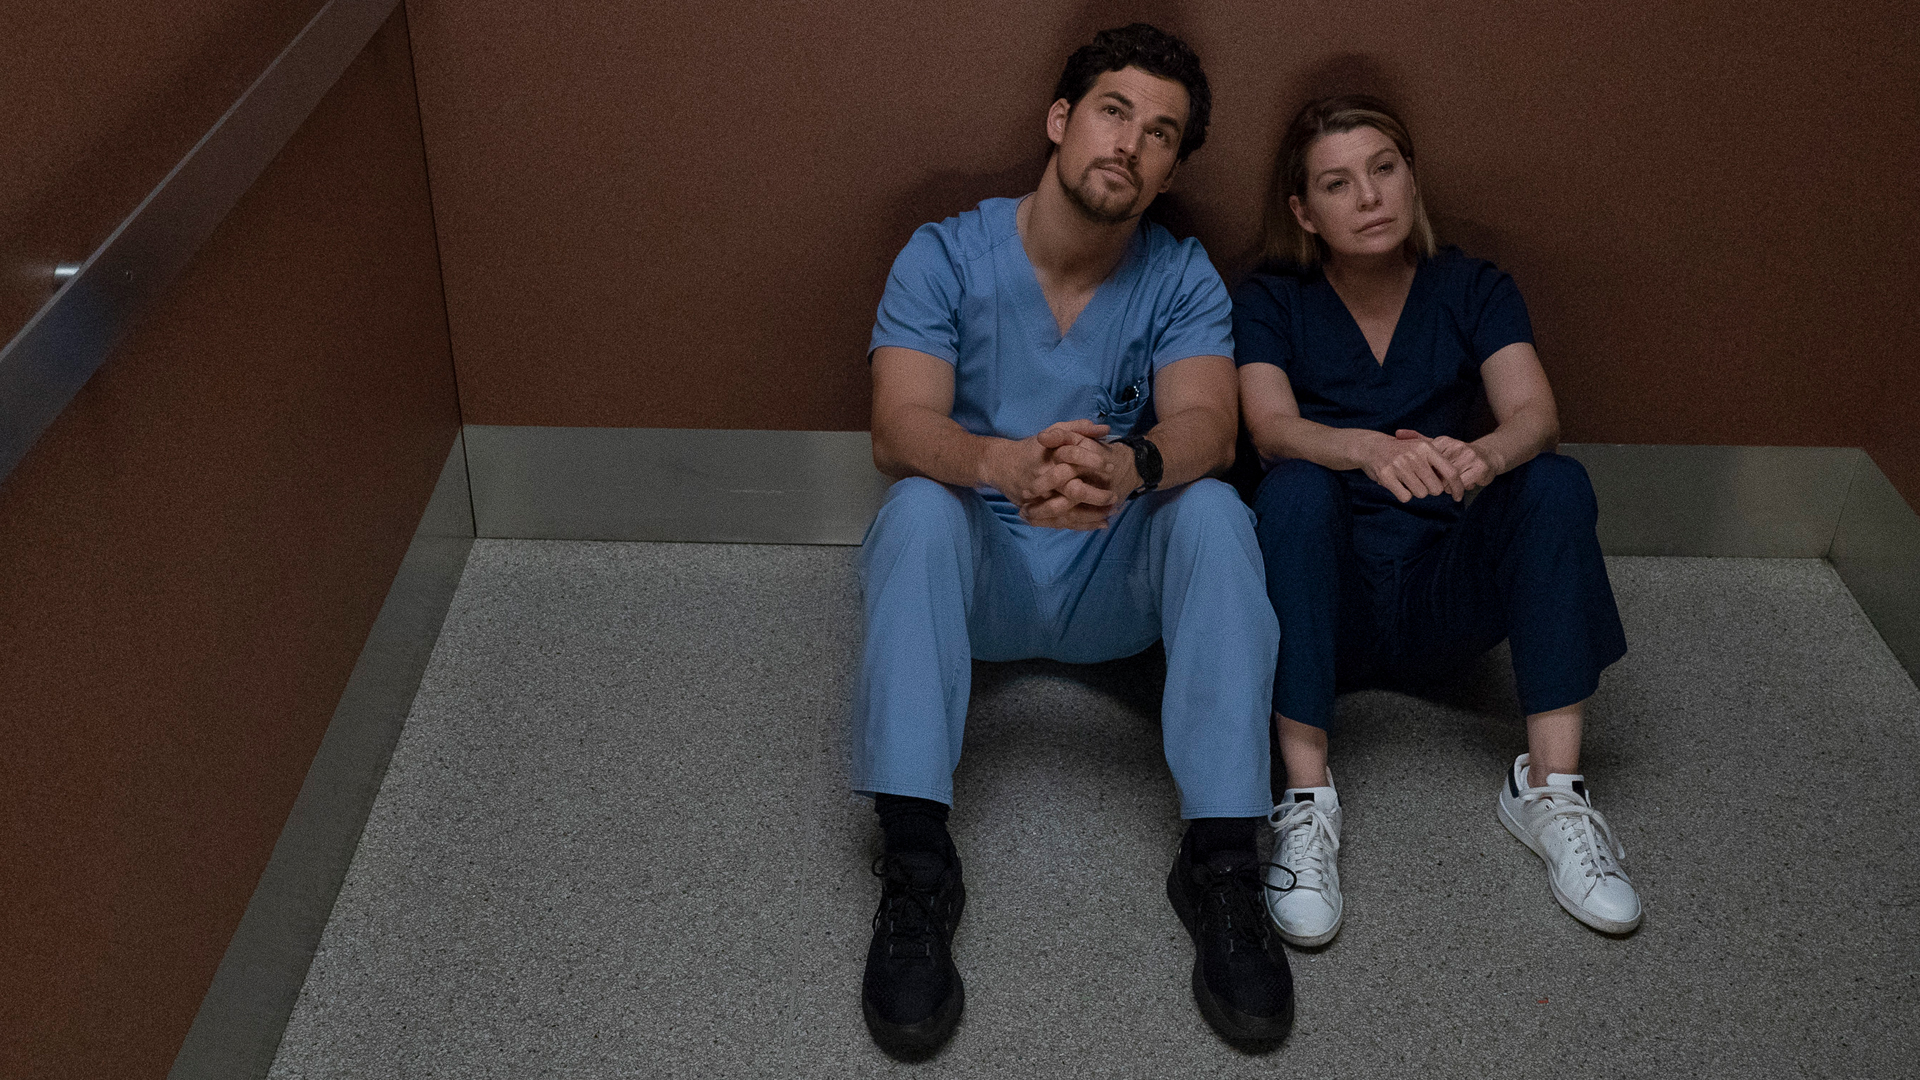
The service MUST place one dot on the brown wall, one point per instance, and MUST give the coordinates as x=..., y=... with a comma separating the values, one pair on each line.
x=102, y=98
x=190, y=559
x=652, y=220
x=656, y=220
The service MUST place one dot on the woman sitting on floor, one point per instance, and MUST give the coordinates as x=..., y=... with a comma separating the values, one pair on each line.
x=1362, y=361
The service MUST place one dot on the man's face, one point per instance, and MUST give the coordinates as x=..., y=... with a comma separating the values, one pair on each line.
x=1118, y=147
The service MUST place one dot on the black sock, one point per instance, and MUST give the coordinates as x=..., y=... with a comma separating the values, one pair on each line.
x=1212, y=835
x=911, y=824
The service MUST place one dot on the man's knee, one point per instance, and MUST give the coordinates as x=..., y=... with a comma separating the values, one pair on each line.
x=917, y=509
x=1558, y=487
x=1208, y=503
x=1210, y=496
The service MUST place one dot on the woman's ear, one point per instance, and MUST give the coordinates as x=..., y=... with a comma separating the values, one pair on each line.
x=1300, y=215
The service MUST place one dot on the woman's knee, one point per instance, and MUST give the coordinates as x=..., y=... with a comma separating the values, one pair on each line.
x=1297, y=481
x=1298, y=493
x=1557, y=485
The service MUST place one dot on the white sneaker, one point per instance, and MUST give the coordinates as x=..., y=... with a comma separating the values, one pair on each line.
x=1303, y=880
x=1570, y=836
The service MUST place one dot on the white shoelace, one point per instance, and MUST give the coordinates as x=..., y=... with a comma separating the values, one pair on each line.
x=1306, y=841
x=1593, y=840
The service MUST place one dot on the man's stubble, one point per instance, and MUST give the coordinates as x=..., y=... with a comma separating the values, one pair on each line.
x=1083, y=198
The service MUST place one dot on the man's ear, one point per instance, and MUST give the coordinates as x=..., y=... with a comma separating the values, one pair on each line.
x=1300, y=214
x=1057, y=114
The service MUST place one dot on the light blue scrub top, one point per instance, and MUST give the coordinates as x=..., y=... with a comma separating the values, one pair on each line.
x=963, y=290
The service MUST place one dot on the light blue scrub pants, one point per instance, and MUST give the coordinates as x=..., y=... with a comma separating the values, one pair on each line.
x=947, y=581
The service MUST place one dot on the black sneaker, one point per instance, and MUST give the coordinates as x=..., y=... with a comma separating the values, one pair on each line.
x=1240, y=976
x=912, y=995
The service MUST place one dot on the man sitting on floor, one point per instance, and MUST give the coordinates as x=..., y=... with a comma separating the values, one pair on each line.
x=1052, y=379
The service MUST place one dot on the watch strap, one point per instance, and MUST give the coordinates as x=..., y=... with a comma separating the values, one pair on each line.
x=1146, y=462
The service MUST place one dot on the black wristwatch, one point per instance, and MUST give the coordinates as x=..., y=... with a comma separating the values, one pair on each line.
x=1146, y=462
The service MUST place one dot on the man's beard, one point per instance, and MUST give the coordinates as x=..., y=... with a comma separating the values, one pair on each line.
x=1103, y=212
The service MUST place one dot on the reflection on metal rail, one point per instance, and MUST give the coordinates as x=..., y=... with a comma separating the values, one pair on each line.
x=61, y=347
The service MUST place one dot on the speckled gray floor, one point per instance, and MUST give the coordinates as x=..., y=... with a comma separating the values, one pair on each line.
x=613, y=841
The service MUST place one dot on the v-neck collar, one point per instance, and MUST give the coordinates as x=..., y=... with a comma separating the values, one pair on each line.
x=1414, y=294
x=1041, y=325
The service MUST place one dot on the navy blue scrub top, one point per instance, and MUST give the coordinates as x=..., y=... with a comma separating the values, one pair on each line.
x=1459, y=311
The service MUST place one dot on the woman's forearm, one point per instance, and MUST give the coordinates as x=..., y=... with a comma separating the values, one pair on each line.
x=1531, y=429
x=1278, y=438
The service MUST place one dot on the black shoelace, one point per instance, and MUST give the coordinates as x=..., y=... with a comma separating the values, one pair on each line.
x=1293, y=879
x=910, y=912
x=1229, y=900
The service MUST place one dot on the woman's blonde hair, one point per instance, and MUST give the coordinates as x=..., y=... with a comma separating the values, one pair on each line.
x=1283, y=240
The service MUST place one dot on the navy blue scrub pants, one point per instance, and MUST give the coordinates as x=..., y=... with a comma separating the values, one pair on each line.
x=1522, y=563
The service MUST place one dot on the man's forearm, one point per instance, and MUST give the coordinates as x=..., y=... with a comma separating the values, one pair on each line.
x=1193, y=443
x=920, y=442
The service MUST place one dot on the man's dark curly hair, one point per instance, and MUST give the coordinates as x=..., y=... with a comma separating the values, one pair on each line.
x=1153, y=51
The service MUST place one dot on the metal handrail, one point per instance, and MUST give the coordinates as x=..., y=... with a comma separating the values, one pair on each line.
x=71, y=335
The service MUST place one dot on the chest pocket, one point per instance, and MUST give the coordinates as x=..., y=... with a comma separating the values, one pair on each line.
x=1123, y=411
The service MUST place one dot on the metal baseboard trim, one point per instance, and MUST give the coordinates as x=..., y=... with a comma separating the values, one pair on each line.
x=244, y=1014
x=1728, y=501
x=1876, y=550
x=820, y=487
x=702, y=486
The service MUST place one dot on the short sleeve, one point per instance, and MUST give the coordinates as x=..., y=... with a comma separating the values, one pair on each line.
x=1200, y=322
x=1260, y=322
x=1499, y=315
x=920, y=308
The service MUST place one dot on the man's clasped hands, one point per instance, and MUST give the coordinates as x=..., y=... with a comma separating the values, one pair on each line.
x=1065, y=477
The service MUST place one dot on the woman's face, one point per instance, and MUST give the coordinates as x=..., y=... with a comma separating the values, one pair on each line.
x=1359, y=193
